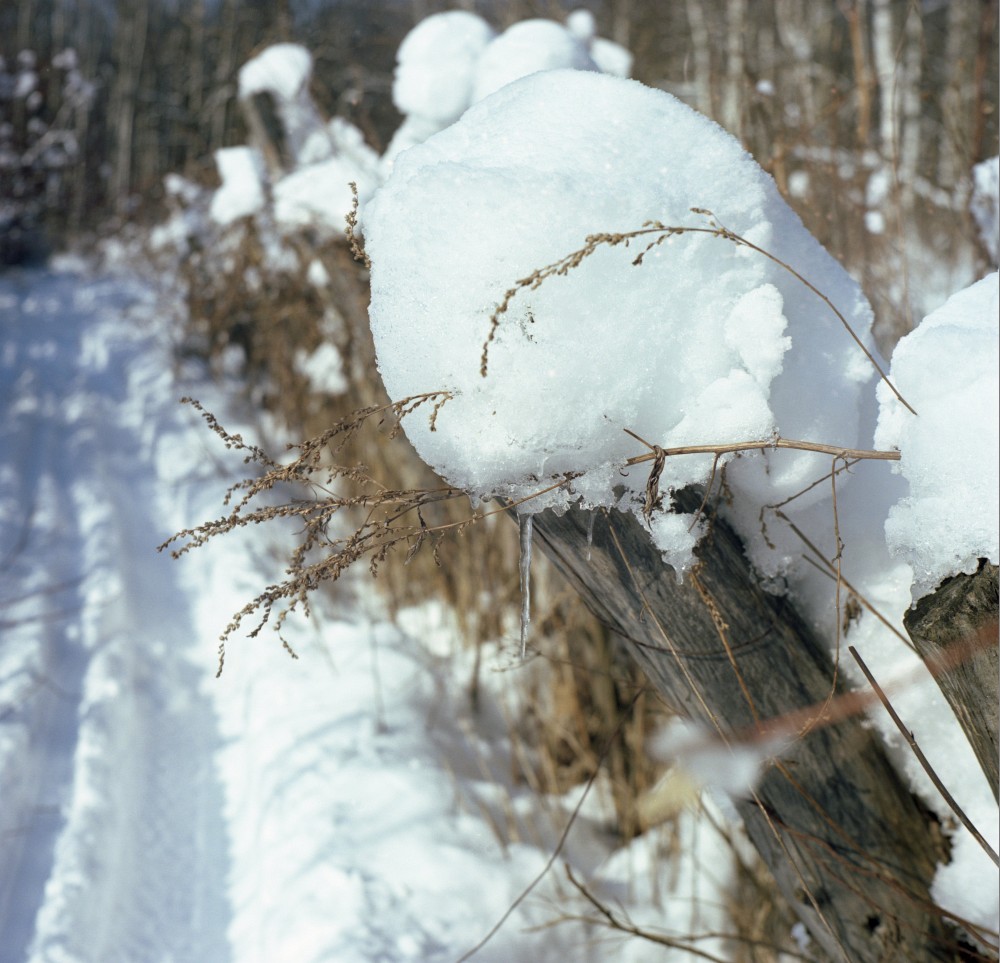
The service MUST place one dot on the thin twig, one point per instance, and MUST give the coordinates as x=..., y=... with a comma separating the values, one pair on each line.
x=562, y=838
x=663, y=231
x=763, y=445
x=922, y=759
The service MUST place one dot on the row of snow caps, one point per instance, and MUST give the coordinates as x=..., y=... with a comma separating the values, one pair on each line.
x=452, y=60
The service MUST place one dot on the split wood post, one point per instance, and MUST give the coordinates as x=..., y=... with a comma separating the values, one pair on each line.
x=955, y=631
x=849, y=846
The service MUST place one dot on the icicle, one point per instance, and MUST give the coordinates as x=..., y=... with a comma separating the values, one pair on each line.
x=590, y=531
x=525, y=525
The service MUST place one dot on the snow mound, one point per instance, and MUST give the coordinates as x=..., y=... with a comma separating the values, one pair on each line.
x=705, y=342
x=282, y=70
x=947, y=369
x=318, y=196
x=241, y=193
x=526, y=48
x=435, y=66
x=610, y=57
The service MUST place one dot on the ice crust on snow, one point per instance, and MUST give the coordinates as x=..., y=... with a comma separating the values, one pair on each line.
x=705, y=342
x=947, y=368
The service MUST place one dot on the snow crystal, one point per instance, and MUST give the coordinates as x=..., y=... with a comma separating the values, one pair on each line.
x=947, y=369
x=526, y=48
x=985, y=205
x=242, y=190
x=704, y=342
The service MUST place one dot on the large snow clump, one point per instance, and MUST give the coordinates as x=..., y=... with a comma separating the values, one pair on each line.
x=435, y=70
x=704, y=342
x=451, y=60
x=947, y=368
x=325, y=156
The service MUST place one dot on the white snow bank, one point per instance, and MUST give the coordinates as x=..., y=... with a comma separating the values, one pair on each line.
x=242, y=191
x=611, y=58
x=985, y=204
x=324, y=368
x=705, y=342
x=948, y=370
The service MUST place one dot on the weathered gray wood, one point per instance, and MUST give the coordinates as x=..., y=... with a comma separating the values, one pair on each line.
x=848, y=844
x=955, y=628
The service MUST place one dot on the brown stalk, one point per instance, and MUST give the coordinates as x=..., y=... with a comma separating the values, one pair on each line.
x=922, y=759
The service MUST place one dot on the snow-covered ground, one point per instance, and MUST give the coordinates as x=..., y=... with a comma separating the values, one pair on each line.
x=347, y=806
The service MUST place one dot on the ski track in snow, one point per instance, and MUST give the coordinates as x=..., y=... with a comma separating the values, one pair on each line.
x=112, y=841
x=346, y=807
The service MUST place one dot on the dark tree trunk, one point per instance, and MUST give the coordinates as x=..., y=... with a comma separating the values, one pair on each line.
x=955, y=628
x=850, y=847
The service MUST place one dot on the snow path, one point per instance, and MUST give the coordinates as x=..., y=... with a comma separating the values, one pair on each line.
x=343, y=808
x=112, y=839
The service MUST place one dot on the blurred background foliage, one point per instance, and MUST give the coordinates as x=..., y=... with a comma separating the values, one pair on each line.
x=100, y=99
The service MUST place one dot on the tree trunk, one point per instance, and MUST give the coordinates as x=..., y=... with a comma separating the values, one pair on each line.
x=849, y=846
x=956, y=628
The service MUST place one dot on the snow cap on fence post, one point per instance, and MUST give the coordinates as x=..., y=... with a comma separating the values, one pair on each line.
x=706, y=341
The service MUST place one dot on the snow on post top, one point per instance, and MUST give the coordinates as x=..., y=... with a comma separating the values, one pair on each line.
x=948, y=369
x=525, y=48
x=435, y=65
x=704, y=342
x=282, y=70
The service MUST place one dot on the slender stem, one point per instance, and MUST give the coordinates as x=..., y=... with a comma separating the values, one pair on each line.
x=922, y=759
x=870, y=454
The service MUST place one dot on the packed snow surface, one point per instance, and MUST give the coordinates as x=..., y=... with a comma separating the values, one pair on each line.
x=947, y=368
x=705, y=342
x=348, y=806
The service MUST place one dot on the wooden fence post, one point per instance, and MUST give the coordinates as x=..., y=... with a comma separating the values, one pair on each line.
x=850, y=847
x=955, y=628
